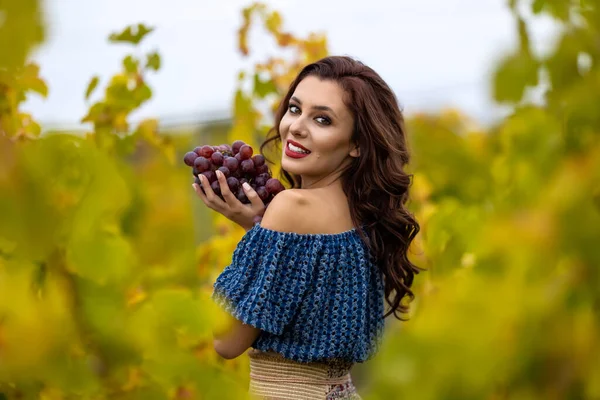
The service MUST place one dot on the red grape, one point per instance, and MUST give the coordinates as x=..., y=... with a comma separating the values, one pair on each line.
x=235, y=147
x=202, y=164
x=241, y=196
x=231, y=163
x=262, y=193
x=234, y=184
x=273, y=186
x=260, y=181
x=238, y=165
x=197, y=180
x=206, y=151
x=216, y=188
x=189, y=158
x=247, y=166
x=211, y=176
x=263, y=169
x=259, y=160
x=245, y=152
x=217, y=158
x=225, y=171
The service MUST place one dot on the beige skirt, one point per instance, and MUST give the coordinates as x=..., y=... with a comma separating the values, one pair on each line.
x=275, y=377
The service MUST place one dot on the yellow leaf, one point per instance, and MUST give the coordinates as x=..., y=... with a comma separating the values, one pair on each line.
x=120, y=122
x=273, y=22
x=135, y=296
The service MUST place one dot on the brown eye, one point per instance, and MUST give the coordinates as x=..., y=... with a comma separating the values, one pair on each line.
x=323, y=120
x=293, y=109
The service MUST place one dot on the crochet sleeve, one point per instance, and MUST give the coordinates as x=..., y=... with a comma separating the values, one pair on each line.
x=267, y=279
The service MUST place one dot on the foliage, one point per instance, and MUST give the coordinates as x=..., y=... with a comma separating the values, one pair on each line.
x=509, y=307
x=269, y=80
x=104, y=292
x=21, y=28
x=126, y=92
x=98, y=266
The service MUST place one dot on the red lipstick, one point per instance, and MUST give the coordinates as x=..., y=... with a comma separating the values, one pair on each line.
x=293, y=154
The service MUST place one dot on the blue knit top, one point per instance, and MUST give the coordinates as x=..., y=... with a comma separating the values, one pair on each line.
x=314, y=296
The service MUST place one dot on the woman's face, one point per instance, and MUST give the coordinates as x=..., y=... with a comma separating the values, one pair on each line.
x=317, y=121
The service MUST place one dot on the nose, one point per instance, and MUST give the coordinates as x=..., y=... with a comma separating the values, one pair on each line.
x=298, y=127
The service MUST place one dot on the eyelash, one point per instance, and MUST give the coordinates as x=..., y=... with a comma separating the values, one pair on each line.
x=326, y=121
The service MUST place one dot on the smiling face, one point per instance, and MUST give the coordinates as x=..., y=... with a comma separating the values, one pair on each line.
x=318, y=122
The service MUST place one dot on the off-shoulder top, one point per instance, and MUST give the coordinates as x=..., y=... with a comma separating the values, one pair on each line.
x=314, y=296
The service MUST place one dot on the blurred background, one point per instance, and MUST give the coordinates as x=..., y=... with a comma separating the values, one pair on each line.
x=107, y=257
x=433, y=53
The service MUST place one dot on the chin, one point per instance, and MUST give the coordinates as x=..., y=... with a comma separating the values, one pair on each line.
x=290, y=167
x=286, y=165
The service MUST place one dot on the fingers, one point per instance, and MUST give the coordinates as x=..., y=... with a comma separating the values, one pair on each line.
x=257, y=204
x=209, y=197
x=200, y=193
x=225, y=191
x=231, y=207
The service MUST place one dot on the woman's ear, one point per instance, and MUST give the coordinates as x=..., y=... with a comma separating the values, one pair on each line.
x=355, y=152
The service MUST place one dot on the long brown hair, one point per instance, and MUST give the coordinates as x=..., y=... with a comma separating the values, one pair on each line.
x=375, y=182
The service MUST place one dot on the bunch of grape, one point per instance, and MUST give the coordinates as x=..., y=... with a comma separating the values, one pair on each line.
x=238, y=165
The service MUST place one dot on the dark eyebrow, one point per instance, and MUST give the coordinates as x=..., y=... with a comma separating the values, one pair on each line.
x=322, y=108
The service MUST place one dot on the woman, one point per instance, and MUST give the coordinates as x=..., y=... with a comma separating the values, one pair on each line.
x=306, y=284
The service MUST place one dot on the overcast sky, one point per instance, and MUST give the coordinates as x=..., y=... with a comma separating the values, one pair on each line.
x=433, y=53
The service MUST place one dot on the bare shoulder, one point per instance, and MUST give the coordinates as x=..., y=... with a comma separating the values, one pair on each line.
x=287, y=212
x=307, y=212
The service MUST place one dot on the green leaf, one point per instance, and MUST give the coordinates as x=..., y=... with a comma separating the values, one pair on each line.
x=153, y=61
x=513, y=75
x=130, y=64
x=101, y=257
x=142, y=94
x=181, y=311
x=94, y=113
x=133, y=34
x=562, y=65
x=537, y=6
x=30, y=80
x=39, y=86
x=560, y=9
x=263, y=88
x=21, y=30
x=523, y=35
x=91, y=86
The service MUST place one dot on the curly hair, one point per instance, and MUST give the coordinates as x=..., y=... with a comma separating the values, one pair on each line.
x=375, y=183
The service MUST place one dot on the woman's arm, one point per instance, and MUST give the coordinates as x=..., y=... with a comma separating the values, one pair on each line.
x=283, y=213
x=236, y=340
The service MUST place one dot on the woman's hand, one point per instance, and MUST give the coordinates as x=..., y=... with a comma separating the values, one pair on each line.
x=244, y=215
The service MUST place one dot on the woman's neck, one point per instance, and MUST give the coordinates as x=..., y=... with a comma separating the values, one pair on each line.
x=328, y=181
x=333, y=179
